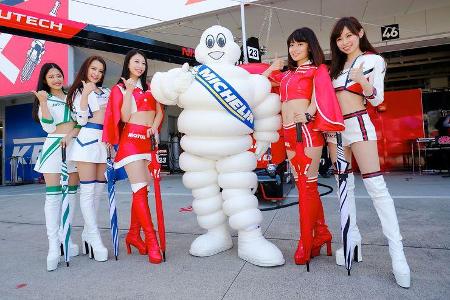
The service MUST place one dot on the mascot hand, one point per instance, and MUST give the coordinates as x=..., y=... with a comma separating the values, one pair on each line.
x=183, y=79
x=261, y=148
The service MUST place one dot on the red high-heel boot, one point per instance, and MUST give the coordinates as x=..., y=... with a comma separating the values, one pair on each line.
x=308, y=212
x=134, y=233
x=322, y=235
x=140, y=203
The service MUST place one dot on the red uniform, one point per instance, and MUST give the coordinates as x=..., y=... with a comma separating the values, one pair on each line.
x=134, y=144
x=311, y=83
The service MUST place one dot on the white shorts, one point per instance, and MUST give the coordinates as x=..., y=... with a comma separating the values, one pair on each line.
x=358, y=128
x=88, y=146
x=50, y=159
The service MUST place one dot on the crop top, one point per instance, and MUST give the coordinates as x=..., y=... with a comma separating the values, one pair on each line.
x=60, y=112
x=374, y=70
x=95, y=101
x=296, y=84
x=143, y=101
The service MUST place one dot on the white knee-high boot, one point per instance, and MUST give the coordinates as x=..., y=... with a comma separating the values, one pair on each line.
x=384, y=205
x=354, y=231
x=92, y=242
x=52, y=210
x=74, y=250
x=99, y=194
x=239, y=183
x=201, y=177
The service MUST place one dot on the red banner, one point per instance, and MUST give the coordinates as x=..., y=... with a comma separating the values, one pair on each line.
x=20, y=57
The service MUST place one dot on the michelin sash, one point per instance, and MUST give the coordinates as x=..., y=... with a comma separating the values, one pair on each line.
x=224, y=94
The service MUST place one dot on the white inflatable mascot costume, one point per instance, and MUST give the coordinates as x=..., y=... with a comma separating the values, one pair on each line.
x=223, y=104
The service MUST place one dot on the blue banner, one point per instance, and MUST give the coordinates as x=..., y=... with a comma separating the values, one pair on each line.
x=225, y=94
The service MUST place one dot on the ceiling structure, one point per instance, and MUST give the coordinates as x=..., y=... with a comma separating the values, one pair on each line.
x=423, y=24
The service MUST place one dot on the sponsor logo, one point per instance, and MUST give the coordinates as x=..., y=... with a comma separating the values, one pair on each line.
x=24, y=147
x=137, y=136
x=24, y=19
x=188, y=52
x=226, y=94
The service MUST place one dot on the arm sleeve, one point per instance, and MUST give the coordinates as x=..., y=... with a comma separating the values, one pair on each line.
x=377, y=81
x=112, y=124
x=276, y=76
x=81, y=115
x=48, y=125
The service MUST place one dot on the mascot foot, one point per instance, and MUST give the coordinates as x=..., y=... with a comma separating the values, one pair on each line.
x=216, y=240
x=254, y=248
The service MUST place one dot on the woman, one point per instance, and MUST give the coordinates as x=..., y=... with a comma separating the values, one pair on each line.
x=52, y=112
x=305, y=88
x=88, y=99
x=132, y=117
x=358, y=75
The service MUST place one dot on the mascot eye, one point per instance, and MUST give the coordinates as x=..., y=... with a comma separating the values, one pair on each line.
x=221, y=40
x=209, y=41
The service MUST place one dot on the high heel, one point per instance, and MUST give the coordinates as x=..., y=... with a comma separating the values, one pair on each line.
x=316, y=250
x=142, y=211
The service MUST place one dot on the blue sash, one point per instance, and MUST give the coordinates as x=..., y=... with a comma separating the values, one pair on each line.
x=225, y=94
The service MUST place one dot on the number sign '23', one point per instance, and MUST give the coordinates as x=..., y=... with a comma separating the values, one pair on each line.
x=390, y=32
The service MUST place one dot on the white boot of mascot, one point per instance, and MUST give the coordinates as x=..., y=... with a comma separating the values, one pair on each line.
x=218, y=127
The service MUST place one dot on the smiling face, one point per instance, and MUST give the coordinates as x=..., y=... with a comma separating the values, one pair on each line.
x=348, y=42
x=299, y=51
x=54, y=79
x=95, y=71
x=217, y=46
x=137, y=65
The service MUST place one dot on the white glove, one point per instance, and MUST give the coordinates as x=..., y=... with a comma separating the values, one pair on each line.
x=183, y=79
x=261, y=148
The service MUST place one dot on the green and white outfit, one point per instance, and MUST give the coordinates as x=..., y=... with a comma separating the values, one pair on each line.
x=49, y=160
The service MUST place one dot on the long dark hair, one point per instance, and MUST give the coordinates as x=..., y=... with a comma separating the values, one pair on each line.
x=82, y=75
x=43, y=86
x=338, y=58
x=126, y=70
x=315, y=53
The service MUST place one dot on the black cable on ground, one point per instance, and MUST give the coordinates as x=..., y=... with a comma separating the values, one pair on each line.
x=330, y=190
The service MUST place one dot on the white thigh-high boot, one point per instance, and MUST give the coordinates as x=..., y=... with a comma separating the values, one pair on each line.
x=384, y=205
x=239, y=183
x=201, y=177
x=52, y=210
x=354, y=231
x=99, y=187
x=92, y=242
x=74, y=250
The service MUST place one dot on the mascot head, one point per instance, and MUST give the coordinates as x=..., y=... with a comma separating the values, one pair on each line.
x=217, y=46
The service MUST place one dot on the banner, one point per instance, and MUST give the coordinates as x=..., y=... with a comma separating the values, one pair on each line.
x=21, y=57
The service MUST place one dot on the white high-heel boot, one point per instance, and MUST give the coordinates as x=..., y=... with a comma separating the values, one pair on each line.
x=384, y=205
x=92, y=242
x=52, y=208
x=353, y=229
x=98, y=194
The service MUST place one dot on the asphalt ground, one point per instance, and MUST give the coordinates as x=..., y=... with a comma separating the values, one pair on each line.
x=423, y=208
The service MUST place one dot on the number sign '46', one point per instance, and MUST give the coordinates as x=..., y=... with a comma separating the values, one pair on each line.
x=390, y=32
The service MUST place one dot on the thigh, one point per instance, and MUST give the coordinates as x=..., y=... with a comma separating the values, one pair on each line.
x=86, y=171
x=366, y=155
x=74, y=179
x=100, y=173
x=290, y=154
x=52, y=179
x=137, y=171
x=315, y=153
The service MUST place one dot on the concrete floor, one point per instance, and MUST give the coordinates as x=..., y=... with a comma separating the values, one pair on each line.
x=423, y=207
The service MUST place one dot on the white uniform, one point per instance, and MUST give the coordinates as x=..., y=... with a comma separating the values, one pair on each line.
x=358, y=126
x=88, y=146
x=49, y=160
x=216, y=144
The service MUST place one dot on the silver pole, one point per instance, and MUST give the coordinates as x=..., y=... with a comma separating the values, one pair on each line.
x=244, y=36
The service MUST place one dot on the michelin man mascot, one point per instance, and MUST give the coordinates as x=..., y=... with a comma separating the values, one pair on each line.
x=223, y=105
